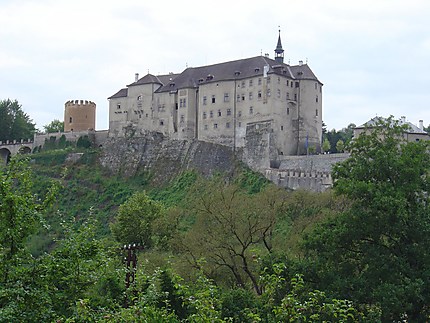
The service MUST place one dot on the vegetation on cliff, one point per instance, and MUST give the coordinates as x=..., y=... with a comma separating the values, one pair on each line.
x=219, y=249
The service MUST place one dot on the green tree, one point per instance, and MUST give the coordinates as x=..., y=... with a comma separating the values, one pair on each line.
x=326, y=145
x=23, y=297
x=15, y=124
x=340, y=146
x=376, y=252
x=134, y=221
x=333, y=136
x=54, y=126
x=233, y=230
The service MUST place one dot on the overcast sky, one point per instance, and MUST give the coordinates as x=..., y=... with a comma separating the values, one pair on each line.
x=371, y=55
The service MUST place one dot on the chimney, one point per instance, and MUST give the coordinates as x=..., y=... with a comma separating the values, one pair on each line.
x=421, y=124
x=300, y=63
x=136, y=77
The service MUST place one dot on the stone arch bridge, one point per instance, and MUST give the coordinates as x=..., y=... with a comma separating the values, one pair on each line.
x=12, y=148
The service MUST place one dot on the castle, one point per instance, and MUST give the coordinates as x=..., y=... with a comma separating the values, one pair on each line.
x=224, y=103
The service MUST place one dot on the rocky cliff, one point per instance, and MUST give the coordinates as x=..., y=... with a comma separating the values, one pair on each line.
x=165, y=158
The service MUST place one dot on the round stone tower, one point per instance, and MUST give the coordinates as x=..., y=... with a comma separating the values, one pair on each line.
x=79, y=115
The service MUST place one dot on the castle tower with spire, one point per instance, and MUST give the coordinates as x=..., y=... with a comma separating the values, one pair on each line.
x=279, y=52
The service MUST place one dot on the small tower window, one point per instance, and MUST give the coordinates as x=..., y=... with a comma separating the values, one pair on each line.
x=213, y=98
x=70, y=120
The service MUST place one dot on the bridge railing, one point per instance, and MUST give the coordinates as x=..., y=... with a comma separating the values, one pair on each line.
x=16, y=142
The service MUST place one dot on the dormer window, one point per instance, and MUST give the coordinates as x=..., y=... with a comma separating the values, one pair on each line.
x=257, y=69
x=139, y=98
x=209, y=77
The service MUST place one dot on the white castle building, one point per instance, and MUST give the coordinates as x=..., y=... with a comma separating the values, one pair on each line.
x=226, y=103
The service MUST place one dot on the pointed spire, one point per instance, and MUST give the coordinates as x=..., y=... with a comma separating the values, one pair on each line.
x=279, y=52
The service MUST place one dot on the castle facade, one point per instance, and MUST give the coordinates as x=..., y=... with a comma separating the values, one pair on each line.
x=227, y=103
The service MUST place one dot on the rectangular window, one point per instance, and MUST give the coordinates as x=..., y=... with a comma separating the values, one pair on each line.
x=226, y=97
x=250, y=95
x=316, y=85
x=243, y=97
x=288, y=95
x=118, y=106
x=219, y=113
x=206, y=127
x=243, y=84
x=288, y=83
x=182, y=118
x=259, y=81
x=213, y=98
x=211, y=114
x=239, y=124
x=227, y=125
x=185, y=102
x=250, y=82
x=139, y=98
x=239, y=113
x=268, y=80
x=259, y=94
x=238, y=98
x=297, y=84
x=161, y=122
x=70, y=120
x=288, y=111
x=295, y=97
x=316, y=99
x=278, y=93
x=205, y=100
x=251, y=110
x=180, y=103
x=282, y=127
x=229, y=112
x=268, y=92
x=316, y=112
x=215, y=125
x=204, y=115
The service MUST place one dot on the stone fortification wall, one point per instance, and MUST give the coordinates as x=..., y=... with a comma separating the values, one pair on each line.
x=311, y=172
x=165, y=158
x=39, y=139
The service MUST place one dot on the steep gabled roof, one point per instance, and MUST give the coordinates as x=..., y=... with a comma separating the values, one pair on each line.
x=120, y=94
x=238, y=69
x=303, y=72
x=376, y=121
x=147, y=79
